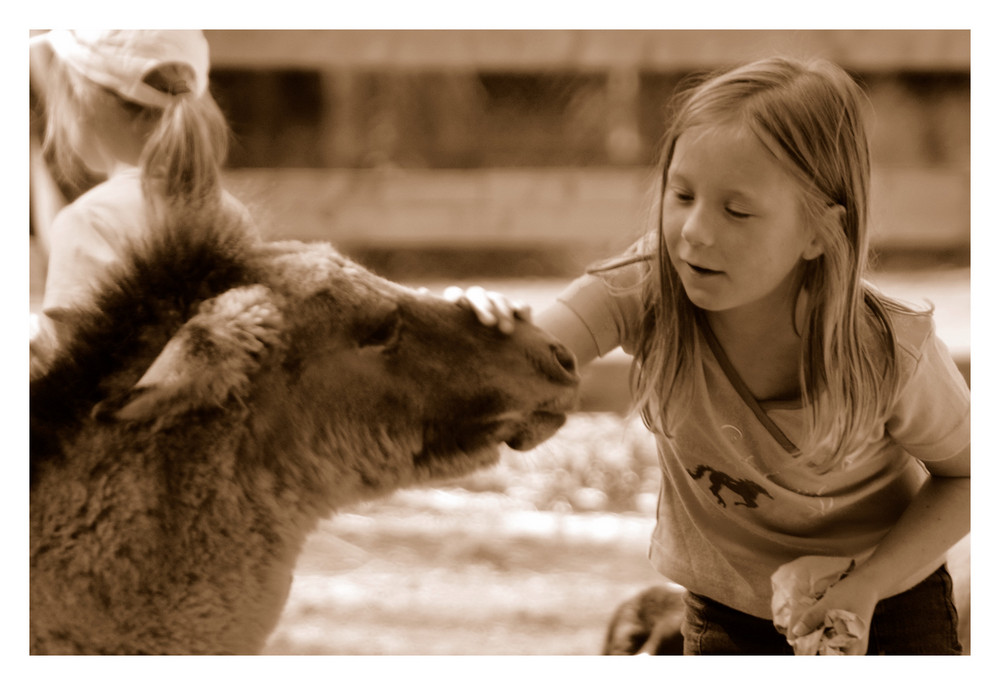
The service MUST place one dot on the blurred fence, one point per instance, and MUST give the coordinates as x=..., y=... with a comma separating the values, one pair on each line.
x=532, y=149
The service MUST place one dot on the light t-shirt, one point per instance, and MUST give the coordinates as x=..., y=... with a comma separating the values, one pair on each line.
x=91, y=234
x=88, y=235
x=734, y=502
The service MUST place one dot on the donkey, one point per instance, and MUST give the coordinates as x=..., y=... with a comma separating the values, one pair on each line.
x=219, y=396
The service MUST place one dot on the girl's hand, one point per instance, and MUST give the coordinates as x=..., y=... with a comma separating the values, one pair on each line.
x=491, y=308
x=849, y=594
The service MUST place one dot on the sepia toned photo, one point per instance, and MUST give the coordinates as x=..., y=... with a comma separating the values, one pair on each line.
x=500, y=342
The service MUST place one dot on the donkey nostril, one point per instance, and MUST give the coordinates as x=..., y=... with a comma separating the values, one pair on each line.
x=565, y=358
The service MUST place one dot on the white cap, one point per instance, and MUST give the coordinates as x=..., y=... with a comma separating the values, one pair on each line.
x=120, y=60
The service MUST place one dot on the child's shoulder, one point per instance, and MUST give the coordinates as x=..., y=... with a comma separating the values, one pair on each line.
x=912, y=330
x=113, y=191
x=111, y=207
x=914, y=335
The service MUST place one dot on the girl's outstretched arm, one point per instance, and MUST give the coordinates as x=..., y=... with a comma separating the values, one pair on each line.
x=936, y=520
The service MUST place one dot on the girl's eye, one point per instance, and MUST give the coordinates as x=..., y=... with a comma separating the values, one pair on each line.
x=681, y=195
x=737, y=214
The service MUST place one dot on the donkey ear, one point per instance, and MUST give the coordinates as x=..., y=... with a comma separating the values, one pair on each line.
x=210, y=359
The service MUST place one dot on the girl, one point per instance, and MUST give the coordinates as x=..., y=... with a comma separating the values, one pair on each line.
x=132, y=107
x=797, y=411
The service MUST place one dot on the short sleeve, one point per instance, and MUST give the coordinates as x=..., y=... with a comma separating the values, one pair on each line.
x=931, y=418
x=609, y=304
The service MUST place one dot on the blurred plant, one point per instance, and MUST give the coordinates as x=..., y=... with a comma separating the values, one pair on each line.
x=596, y=462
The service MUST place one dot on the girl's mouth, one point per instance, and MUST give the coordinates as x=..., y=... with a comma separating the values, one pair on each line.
x=702, y=271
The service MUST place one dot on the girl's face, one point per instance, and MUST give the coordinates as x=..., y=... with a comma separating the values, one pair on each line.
x=732, y=222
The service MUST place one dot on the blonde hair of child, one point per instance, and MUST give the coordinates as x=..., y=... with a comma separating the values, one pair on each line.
x=181, y=156
x=809, y=115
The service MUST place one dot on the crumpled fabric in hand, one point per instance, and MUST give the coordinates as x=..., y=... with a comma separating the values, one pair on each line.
x=798, y=585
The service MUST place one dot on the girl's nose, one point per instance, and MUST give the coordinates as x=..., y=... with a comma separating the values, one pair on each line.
x=697, y=229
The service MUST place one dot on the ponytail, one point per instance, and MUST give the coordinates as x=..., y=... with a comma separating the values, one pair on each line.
x=182, y=158
x=176, y=128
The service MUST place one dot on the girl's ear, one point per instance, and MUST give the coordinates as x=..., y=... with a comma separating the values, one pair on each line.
x=833, y=220
x=814, y=249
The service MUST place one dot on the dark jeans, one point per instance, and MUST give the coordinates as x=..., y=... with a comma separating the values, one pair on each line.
x=922, y=620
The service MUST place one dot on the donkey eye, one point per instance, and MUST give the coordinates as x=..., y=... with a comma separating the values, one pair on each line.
x=384, y=332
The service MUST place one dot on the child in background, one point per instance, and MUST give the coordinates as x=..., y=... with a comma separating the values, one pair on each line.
x=797, y=411
x=134, y=107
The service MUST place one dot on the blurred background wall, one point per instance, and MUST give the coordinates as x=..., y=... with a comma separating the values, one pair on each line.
x=528, y=153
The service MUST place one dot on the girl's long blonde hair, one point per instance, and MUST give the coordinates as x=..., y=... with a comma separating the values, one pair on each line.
x=181, y=157
x=809, y=114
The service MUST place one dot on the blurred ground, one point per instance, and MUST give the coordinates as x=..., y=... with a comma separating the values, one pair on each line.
x=447, y=572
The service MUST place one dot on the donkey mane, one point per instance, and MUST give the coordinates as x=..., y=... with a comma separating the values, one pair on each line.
x=136, y=307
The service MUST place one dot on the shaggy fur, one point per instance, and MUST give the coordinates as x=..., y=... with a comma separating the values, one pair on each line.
x=648, y=623
x=218, y=398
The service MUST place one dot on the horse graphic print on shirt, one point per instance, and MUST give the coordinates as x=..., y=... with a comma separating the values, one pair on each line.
x=748, y=490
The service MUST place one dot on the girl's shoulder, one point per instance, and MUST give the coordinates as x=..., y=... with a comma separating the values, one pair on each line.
x=124, y=188
x=110, y=210
x=914, y=337
x=912, y=330
x=929, y=412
